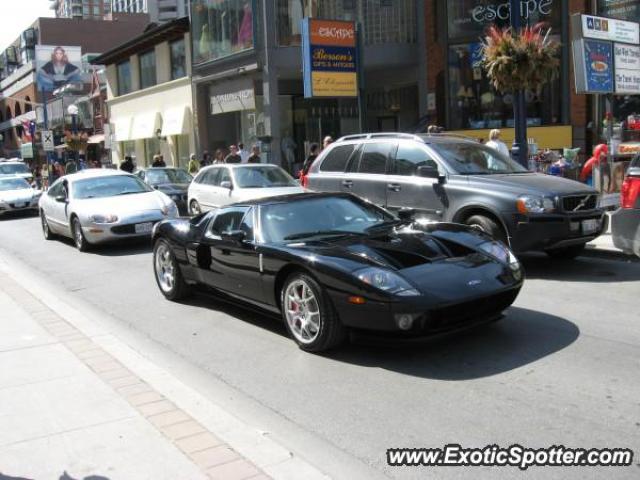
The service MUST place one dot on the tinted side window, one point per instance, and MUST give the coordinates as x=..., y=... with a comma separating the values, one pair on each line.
x=55, y=190
x=224, y=176
x=336, y=159
x=200, y=176
x=409, y=158
x=374, y=157
x=212, y=177
x=227, y=220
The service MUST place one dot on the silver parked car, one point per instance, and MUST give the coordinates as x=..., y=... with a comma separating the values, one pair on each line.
x=96, y=206
x=15, y=168
x=17, y=195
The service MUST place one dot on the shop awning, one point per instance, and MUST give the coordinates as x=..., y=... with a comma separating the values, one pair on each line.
x=175, y=121
x=96, y=138
x=145, y=125
x=122, y=128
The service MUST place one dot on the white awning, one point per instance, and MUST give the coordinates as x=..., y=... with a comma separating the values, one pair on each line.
x=175, y=121
x=122, y=129
x=145, y=125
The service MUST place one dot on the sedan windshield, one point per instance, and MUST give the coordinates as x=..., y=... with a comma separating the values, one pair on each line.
x=167, y=175
x=13, y=184
x=108, y=186
x=13, y=168
x=262, y=176
x=319, y=217
x=475, y=159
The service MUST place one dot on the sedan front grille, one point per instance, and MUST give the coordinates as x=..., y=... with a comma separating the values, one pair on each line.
x=579, y=203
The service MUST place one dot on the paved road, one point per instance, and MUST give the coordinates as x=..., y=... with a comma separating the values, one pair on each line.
x=562, y=368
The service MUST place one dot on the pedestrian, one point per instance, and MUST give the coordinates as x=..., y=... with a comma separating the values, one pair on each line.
x=244, y=155
x=193, y=166
x=162, y=162
x=313, y=154
x=219, y=156
x=157, y=162
x=255, y=155
x=599, y=155
x=70, y=167
x=233, y=157
x=44, y=173
x=58, y=169
x=328, y=140
x=206, y=158
x=497, y=144
x=127, y=165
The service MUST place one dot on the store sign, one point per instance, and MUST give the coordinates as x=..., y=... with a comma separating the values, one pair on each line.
x=602, y=28
x=232, y=97
x=329, y=58
x=627, y=63
x=593, y=66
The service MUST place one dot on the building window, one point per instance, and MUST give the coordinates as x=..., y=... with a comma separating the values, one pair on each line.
x=148, y=69
x=124, y=77
x=221, y=28
x=178, y=59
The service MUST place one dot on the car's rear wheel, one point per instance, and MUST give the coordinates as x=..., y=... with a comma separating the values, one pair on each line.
x=488, y=226
x=167, y=272
x=566, y=253
x=194, y=208
x=78, y=236
x=46, y=231
x=309, y=314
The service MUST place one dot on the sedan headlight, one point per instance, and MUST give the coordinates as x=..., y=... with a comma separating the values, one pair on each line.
x=386, y=281
x=534, y=204
x=104, y=218
x=503, y=254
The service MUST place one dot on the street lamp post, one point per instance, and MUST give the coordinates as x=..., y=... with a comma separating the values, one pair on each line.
x=73, y=111
x=519, y=103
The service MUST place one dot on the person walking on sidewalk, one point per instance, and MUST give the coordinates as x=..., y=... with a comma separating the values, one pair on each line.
x=313, y=154
x=193, y=166
x=127, y=165
x=234, y=156
x=255, y=155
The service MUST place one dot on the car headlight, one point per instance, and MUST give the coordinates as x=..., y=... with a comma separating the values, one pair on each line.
x=502, y=253
x=170, y=210
x=104, y=218
x=386, y=281
x=533, y=204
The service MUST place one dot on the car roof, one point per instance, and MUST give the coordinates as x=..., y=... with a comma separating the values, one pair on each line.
x=291, y=197
x=241, y=165
x=144, y=169
x=94, y=173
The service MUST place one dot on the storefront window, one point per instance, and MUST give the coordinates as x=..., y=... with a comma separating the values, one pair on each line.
x=624, y=9
x=182, y=150
x=124, y=77
x=178, y=59
x=128, y=149
x=151, y=148
x=148, y=69
x=221, y=28
x=384, y=22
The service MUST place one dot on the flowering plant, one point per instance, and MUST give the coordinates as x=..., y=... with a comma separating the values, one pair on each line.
x=76, y=142
x=519, y=61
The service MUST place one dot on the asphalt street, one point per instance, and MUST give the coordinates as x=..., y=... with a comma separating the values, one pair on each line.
x=562, y=368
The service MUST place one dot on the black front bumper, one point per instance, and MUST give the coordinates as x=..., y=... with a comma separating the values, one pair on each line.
x=544, y=232
x=428, y=319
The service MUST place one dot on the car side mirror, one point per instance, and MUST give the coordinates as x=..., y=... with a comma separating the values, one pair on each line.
x=235, y=236
x=407, y=213
x=430, y=171
x=226, y=184
x=61, y=199
x=155, y=187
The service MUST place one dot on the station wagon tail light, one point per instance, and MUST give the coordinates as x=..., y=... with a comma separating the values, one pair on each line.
x=630, y=192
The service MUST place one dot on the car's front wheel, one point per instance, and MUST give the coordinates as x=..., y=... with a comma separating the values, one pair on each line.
x=167, y=272
x=46, y=231
x=309, y=314
x=567, y=253
x=78, y=235
x=194, y=208
x=488, y=226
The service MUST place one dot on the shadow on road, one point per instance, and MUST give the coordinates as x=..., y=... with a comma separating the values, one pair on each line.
x=581, y=269
x=521, y=338
x=120, y=248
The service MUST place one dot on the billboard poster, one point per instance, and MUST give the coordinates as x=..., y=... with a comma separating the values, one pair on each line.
x=57, y=66
x=330, y=56
x=593, y=66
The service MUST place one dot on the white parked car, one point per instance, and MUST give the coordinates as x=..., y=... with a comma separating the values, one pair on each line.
x=223, y=184
x=95, y=206
x=16, y=194
x=15, y=168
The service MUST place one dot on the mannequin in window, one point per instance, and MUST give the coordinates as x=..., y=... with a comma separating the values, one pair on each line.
x=245, y=33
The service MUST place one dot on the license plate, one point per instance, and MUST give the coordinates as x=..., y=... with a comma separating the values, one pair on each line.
x=144, y=227
x=590, y=226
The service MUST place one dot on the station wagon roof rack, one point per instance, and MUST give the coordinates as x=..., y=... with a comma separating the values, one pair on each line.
x=371, y=136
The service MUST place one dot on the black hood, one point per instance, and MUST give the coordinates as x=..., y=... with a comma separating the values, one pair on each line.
x=170, y=188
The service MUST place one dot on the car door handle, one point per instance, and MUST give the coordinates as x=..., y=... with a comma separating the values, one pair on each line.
x=394, y=187
x=347, y=183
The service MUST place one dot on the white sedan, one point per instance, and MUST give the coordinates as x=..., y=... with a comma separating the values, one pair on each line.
x=95, y=206
x=220, y=185
x=16, y=195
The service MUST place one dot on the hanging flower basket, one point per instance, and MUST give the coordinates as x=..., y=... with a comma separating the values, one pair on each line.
x=523, y=61
x=76, y=142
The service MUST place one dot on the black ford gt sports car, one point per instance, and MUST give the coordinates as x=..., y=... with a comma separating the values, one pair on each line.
x=331, y=261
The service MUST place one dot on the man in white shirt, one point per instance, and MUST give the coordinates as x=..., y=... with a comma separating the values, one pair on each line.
x=244, y=155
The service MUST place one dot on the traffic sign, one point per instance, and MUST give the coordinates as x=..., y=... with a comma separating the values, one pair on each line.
x=47, y=141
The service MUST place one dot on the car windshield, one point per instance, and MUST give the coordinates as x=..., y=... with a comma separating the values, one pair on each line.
x=475, y=159
x=108, y=186
x=13, y=168
x=167, y=175
x=262, y=177
x=319, y=217
x=13, y=184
